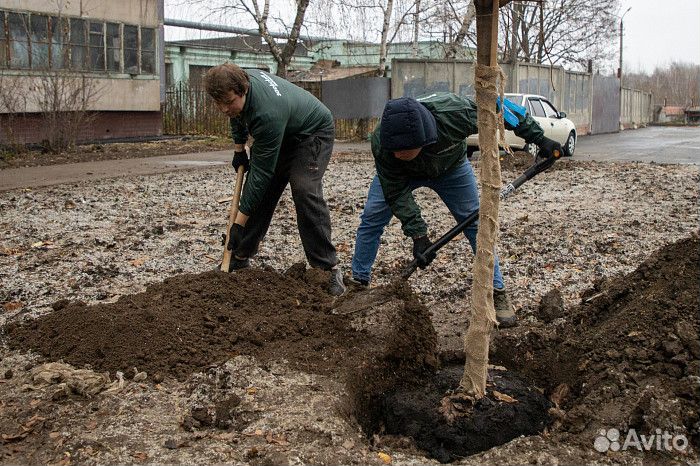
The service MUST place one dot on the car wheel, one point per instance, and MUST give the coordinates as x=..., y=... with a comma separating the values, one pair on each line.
x=471, y=150
x=570, y=145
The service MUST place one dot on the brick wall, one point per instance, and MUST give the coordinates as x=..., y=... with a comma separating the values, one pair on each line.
x=27, y=128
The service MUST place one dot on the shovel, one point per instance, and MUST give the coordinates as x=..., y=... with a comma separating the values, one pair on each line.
x=361, y=302
x=232, y=213
x=538, y=167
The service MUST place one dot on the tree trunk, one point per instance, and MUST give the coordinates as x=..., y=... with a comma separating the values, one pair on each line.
x=464, y=28
x=483, y=315
x=385, y=34
x=291, y=45
x=515, y=24
x=282, y=56
x=416, y=29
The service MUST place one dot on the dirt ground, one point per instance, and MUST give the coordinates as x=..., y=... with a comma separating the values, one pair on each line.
x=608, y=325
x=114, y=151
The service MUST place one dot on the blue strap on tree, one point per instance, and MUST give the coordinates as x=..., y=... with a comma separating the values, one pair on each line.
x=512, y=113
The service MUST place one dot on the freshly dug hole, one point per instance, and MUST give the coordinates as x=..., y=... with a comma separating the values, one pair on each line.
x=390, y=399
x=511, y=408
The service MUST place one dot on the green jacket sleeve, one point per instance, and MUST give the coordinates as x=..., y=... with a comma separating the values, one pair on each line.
x=528, y=129
x=398, y=194
x=268, y=132
x=239, y=131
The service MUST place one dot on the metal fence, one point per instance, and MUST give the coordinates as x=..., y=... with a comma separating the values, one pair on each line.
x=189, y=110
x=356, y=105
x=606, y=105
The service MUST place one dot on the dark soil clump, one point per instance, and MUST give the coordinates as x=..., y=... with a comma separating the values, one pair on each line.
x=628, y=357
x=415, y=412
x=190, y=322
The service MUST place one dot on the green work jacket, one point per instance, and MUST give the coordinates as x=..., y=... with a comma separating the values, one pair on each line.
x=456, y=120
x=276, y=113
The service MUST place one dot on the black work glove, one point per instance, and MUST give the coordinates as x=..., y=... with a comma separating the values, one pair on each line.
x=548, y=149
x=240, y=158
x=235, y=237
x=420, y=244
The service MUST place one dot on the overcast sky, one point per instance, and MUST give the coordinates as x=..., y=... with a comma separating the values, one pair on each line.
x=657, y=32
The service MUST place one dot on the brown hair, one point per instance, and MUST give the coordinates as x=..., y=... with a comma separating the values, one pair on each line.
x=222, y=79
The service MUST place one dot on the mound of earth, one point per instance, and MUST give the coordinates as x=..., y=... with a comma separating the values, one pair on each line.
x=628, y=357
x=190, y=322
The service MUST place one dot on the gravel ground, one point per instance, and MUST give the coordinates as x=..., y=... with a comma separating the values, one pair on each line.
x=568, y=227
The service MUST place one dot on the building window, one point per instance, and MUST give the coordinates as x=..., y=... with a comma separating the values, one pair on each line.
x=97, y=46
x=60, y=58
x=169, y=74
x=114, y=47
x=148, y=50
x=196, y=74
x=19, y=40
x=40, y=42
x=78, y=44
x=131, y=49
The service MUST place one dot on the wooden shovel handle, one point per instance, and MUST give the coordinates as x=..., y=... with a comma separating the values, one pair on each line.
x=232, y=213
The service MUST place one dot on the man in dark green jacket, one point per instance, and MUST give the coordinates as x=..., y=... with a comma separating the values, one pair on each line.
x=422, y=143
x=293, y=137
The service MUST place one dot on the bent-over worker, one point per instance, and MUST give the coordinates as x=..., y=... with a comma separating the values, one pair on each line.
x=293, y=136
x=422, y=143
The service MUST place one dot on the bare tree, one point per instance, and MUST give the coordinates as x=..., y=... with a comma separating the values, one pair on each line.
x=13, y=105
x=259, y=11
x=465, y=24
x=559, y=32
x=64, y=100
x=675, y=84
x=375, y=22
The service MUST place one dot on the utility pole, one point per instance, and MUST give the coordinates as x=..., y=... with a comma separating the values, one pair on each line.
x=619, y=70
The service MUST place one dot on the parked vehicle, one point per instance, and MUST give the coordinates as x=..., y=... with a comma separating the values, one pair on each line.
x=554, y=123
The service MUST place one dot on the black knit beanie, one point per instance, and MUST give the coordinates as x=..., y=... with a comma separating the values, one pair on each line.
x=406, y=124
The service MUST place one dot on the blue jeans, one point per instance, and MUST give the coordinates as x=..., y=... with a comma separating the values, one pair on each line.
x=458, y=191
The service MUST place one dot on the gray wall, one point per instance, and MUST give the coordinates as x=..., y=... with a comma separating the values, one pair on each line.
x=568, y=91
x=356, y=97
x=637, y=108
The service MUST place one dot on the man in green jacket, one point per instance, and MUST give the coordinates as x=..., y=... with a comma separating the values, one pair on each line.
x=422, y=143
x=293, y=140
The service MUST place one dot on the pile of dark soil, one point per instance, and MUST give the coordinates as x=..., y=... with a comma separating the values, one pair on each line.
x=190, y=322
x=628, y=357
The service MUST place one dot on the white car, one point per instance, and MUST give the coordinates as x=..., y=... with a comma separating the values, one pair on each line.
x=555, y=125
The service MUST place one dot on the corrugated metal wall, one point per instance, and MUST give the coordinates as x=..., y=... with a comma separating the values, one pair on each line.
x=356, y=97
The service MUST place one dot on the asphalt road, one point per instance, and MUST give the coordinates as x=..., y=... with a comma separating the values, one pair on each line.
x=656, y=144
x=653, y=144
